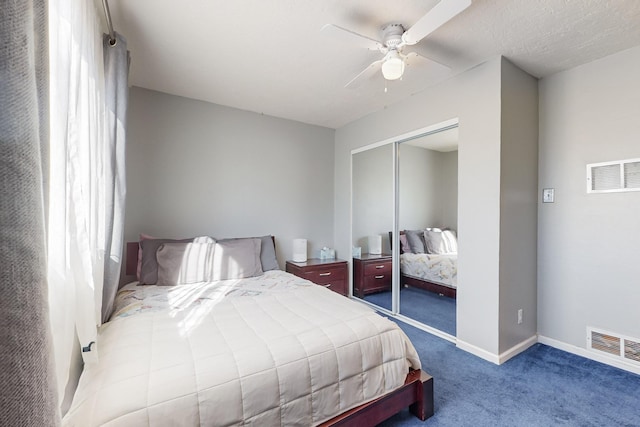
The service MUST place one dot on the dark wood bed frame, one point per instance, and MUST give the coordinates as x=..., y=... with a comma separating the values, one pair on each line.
x=424, y=284
x=416, y=393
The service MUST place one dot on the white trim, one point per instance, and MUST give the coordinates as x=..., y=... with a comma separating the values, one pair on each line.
x=426, y=328
x=477, y=351
x=498, y=359
x=410, y=135
x=579, y=351
x=517, y=349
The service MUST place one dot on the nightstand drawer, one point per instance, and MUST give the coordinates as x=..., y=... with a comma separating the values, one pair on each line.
x=332, y=274
x=325, y=275
x=371, y=273
x=377, y=283
x=339, y=286
x=377, y=268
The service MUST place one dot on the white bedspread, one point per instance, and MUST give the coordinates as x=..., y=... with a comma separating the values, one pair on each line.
x=441, y=269
x=267, y=351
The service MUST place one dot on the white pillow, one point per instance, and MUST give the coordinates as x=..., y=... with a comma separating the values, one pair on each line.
x=440, y=242
x=450, y=241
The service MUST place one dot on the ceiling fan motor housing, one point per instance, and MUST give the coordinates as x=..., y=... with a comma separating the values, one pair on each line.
x=392, y=35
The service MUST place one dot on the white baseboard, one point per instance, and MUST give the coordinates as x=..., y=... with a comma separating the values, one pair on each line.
x=517, y=349
x=477, y=351
x=498, y=359
x=583, y=352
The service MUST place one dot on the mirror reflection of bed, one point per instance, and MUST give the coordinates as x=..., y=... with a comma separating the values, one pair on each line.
x=427, y=220
x=427, y=216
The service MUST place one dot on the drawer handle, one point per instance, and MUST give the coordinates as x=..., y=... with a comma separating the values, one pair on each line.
x=379, y=277
x=379, y=266
x=328, y=285
x=325, y=274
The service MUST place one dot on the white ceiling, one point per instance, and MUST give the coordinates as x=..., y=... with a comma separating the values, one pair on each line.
x=269, y=56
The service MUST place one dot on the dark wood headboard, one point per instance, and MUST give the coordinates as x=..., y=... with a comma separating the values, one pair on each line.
x=131, y=265
x=391, y=240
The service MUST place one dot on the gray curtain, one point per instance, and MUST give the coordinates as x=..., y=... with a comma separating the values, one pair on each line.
x=116, y=72
x=28, y=395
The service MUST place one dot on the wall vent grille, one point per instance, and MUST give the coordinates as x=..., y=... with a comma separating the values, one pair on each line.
x=611, y=177
x=632, y=350
x=616, y=345
x=607, y=343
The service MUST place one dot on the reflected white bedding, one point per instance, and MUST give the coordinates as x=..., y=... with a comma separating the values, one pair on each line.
x=441, y=269
x=271, y=350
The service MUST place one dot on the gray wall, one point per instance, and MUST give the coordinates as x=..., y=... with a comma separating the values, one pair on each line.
x=428, y=188
x=588, y=243
x=372, y=196
x=195, y=168
x=518, y=206
x=473, y=97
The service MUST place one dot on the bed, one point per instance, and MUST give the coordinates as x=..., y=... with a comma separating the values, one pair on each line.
x=433, y=272
x=271, y=349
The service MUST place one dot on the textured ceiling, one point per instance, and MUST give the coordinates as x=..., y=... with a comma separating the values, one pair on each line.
x=269, y=56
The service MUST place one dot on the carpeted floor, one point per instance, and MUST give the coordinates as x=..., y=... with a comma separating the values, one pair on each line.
x=542, y=386
x=425, y=307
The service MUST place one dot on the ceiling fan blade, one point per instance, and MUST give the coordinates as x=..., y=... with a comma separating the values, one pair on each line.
x=347, y=36
x=365, y=74
x=440, y=14
x=415, y=60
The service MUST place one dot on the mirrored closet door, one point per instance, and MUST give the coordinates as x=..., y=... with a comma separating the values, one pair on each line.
x=372, y=219
x=404, y=226
x=427, y=224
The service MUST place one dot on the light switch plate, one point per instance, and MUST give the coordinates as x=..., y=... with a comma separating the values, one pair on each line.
x=547, y=195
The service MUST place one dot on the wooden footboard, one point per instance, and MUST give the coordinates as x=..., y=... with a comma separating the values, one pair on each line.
x=428, y=286
x=416, y=393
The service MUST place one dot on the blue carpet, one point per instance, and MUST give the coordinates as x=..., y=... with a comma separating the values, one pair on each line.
x=425, y=307
x=542, y=386
x=381, y=299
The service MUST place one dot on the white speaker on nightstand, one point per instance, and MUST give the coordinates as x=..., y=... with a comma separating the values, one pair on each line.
x=375, y=245
x=299, y=250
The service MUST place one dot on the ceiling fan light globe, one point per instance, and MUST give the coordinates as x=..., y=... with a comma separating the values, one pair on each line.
x=393, y=68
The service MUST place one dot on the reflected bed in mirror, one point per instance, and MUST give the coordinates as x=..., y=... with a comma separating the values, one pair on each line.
x=433, y=272
x=428, y=198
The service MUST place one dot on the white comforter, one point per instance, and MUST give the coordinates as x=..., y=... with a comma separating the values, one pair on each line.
x=268, y=351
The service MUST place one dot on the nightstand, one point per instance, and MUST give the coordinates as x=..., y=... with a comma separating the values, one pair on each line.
x=371, y=273
x=330, y=273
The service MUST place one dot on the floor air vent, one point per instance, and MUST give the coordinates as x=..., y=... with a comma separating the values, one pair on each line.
x=615, y=345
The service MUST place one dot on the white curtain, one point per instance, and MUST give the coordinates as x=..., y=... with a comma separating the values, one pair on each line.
x=81, y=200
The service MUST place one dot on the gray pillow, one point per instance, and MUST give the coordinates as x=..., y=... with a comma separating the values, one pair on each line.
x=183, y=263
x=236, y=259
x=415, y=239
x=149, y=266
x=267, y=252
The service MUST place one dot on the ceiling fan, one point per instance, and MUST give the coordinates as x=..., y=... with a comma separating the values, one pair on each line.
x=395, y=38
